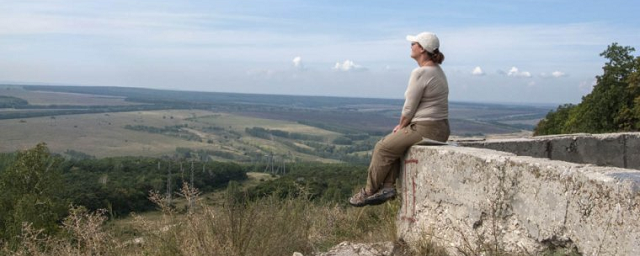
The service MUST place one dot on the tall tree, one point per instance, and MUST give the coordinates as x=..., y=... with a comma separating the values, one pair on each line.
x=29, y=193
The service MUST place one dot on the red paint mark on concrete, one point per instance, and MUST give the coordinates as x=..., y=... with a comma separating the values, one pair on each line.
x=413, y=194
x=404, y=192
x=406, y=216
x=409, y=161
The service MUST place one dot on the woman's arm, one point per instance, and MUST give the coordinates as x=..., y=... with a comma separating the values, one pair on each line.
x=412, y=99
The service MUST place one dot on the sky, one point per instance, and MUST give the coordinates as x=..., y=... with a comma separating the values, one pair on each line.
x=502, y=51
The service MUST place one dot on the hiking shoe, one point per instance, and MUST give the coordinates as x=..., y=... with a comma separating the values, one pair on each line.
x=381, y=196
x=359, y=199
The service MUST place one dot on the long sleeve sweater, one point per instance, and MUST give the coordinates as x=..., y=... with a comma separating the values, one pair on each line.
x=427, y=95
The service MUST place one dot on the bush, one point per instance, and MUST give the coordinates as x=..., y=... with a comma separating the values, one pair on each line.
x=30, y=193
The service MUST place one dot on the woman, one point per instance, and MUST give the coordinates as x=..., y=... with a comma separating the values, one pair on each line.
x=425, y=114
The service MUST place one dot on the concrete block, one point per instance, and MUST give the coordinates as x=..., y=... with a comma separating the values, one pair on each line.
x=521, y=147
x=464, y=197
x=613, y=149
x=632, y=151
x=565, y=149
x=601, y=149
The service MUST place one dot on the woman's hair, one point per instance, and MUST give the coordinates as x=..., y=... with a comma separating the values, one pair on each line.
x=436, y=56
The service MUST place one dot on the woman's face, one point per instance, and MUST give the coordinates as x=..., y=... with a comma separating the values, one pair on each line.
x=416, y=50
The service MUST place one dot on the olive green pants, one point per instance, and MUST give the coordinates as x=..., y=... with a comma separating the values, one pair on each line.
x=385, y=161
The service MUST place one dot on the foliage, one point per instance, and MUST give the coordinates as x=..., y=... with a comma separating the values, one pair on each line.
x=323, y=182
x=173, y=131
x=263, y=133
x=30, y=193
x=121, y=184
x=341, y=148
x=35, y=181
x=6, y=160
x=613, y=105
x=342, y=140
x=58, y=110
x=77, y=155
x=554, y=122
x=11, y=102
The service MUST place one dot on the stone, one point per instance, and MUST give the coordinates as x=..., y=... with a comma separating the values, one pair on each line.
x=360, y=249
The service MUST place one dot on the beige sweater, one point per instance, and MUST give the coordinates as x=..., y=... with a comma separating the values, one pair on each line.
x=427, y=96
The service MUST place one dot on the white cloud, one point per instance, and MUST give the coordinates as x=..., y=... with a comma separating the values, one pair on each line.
x=477, y=72
x=531, y=84
x=348, y=65
x=517, y=73
x=555, y=74
x=297, y=63
x=558, y=74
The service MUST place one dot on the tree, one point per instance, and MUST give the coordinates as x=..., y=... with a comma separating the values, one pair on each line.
x=554, y=122
x=29, y=193
x=613, y=105
x=634, y=88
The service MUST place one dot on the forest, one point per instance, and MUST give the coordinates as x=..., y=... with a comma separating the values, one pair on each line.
x=37, y=186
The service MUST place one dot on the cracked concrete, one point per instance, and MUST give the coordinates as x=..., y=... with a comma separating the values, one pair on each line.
x=469, y=197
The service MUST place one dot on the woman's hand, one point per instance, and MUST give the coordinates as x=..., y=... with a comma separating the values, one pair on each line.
x=404, y=121
x=398, y=127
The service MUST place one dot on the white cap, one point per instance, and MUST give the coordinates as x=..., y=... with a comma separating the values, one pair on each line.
x=429, y=41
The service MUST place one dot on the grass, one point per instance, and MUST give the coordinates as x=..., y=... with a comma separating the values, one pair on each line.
x=239, y=123
x=100, y=135
x=272, y=226
x=103, y=135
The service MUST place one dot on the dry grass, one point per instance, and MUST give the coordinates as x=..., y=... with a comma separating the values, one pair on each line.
x=272, y=226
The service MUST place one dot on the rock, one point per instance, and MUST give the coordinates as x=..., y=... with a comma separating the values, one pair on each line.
x=360, y=249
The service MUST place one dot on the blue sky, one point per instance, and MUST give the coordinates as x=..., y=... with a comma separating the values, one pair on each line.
x=496, y=51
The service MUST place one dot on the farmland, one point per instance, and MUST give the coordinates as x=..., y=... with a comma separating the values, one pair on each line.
x=112, y=121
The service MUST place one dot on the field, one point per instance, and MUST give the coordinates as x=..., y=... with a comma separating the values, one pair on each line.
x=111, y=121
x=104, y=135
